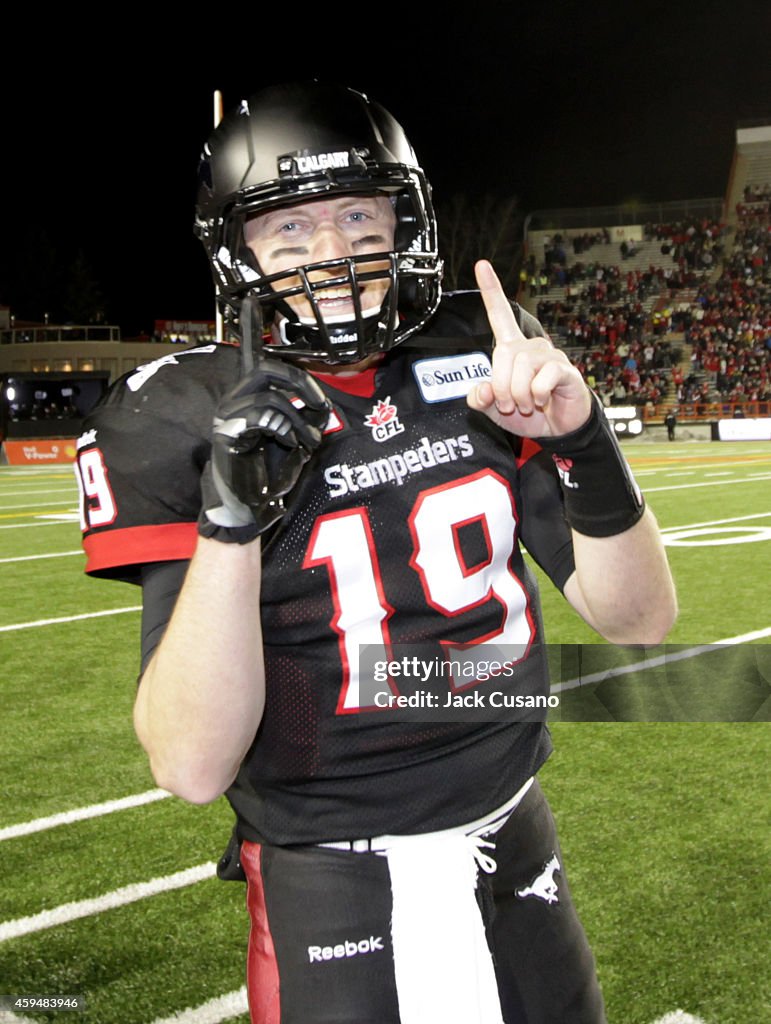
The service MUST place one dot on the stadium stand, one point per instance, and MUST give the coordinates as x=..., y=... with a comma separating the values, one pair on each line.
x=670, y=313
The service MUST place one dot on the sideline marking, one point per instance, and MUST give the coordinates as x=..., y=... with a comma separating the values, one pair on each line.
x=32, y=558
x=67, y=912
x=69, y=618
x=233, y=1004
x=662, y=659
x=26, y=828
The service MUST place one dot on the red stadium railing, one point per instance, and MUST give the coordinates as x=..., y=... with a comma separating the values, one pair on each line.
x=707, y=411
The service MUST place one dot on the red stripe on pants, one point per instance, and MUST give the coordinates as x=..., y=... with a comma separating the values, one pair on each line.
x=261, y=966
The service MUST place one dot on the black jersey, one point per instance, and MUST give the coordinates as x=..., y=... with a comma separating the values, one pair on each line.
x=403, y=534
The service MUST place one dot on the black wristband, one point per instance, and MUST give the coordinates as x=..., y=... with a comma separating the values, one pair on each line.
x=227, y=534
x=602, y=498
x=237, y=533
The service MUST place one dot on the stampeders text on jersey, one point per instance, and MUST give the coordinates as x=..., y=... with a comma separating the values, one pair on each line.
x=343, y=479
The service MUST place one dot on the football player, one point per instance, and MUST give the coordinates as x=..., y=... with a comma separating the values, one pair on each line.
x=320, y=514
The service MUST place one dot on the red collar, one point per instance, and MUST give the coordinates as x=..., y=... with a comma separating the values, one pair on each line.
x=360, y=384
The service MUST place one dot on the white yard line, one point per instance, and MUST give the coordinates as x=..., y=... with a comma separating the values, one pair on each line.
x=67, y=912
x=659, y=660
x=679, y=1017
x=69, y=618
x=26, y=828
x=38, y=491
x=32, y=558
x=215, y=1010
x=706, y=483
x=37, y=504
x=715, y=522
x=35, y=471
x=40, y=522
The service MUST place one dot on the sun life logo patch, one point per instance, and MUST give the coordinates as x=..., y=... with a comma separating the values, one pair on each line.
x=444, y=378
x=383, y=420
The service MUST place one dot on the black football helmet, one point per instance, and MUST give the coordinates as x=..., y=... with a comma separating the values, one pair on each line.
x=308, y=141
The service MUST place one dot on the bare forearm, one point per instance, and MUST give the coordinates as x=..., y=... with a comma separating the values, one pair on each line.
x=622, y=585
x=201, y=697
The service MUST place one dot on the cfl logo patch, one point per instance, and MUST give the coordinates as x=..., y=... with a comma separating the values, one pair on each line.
x=384, y=421
x=564, y=467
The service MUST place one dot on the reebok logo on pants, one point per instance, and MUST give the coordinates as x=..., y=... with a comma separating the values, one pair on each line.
x=317, y=954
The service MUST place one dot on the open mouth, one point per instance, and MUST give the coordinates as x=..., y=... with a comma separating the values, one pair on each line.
x=341, y=314
x=336, y=304
x=334, y=298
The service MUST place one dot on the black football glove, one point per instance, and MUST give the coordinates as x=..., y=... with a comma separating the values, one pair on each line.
x=265, y=430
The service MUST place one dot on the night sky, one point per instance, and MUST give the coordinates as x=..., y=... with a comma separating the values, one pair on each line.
x=561, y=104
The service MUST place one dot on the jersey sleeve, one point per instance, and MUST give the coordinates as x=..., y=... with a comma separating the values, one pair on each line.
x=544, y=530
x=138, y=467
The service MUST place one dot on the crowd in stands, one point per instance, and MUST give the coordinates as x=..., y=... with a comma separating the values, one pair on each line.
x=596, y=282
x=626, y=373
x=596, y=293
x=620, y=341
x=729, y=328
x=756, y=202
x=694, y=245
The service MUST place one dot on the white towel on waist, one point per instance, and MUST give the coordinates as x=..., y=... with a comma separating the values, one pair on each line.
x=444, y=970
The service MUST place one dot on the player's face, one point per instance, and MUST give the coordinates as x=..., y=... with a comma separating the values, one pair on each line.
x=325, y=229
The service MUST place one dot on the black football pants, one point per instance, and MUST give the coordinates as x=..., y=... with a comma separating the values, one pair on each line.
x=320, y=948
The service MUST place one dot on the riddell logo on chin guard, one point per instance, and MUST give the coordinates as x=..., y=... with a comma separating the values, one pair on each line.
x=383, y=420
x=343, y=950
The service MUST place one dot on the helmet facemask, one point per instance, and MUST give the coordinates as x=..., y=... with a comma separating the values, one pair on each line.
x=408, y=271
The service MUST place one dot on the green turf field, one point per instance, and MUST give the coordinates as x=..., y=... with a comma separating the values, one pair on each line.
x=106, y=883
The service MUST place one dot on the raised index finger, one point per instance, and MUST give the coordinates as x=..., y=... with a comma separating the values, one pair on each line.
x=499, y=312
x=509, y=339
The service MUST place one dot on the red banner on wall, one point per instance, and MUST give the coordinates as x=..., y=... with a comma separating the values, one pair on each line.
x=39, y=452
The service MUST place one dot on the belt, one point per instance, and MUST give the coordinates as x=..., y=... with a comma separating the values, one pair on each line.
x=486, y=825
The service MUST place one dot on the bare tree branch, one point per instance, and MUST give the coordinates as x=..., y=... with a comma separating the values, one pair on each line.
x=482, y=227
